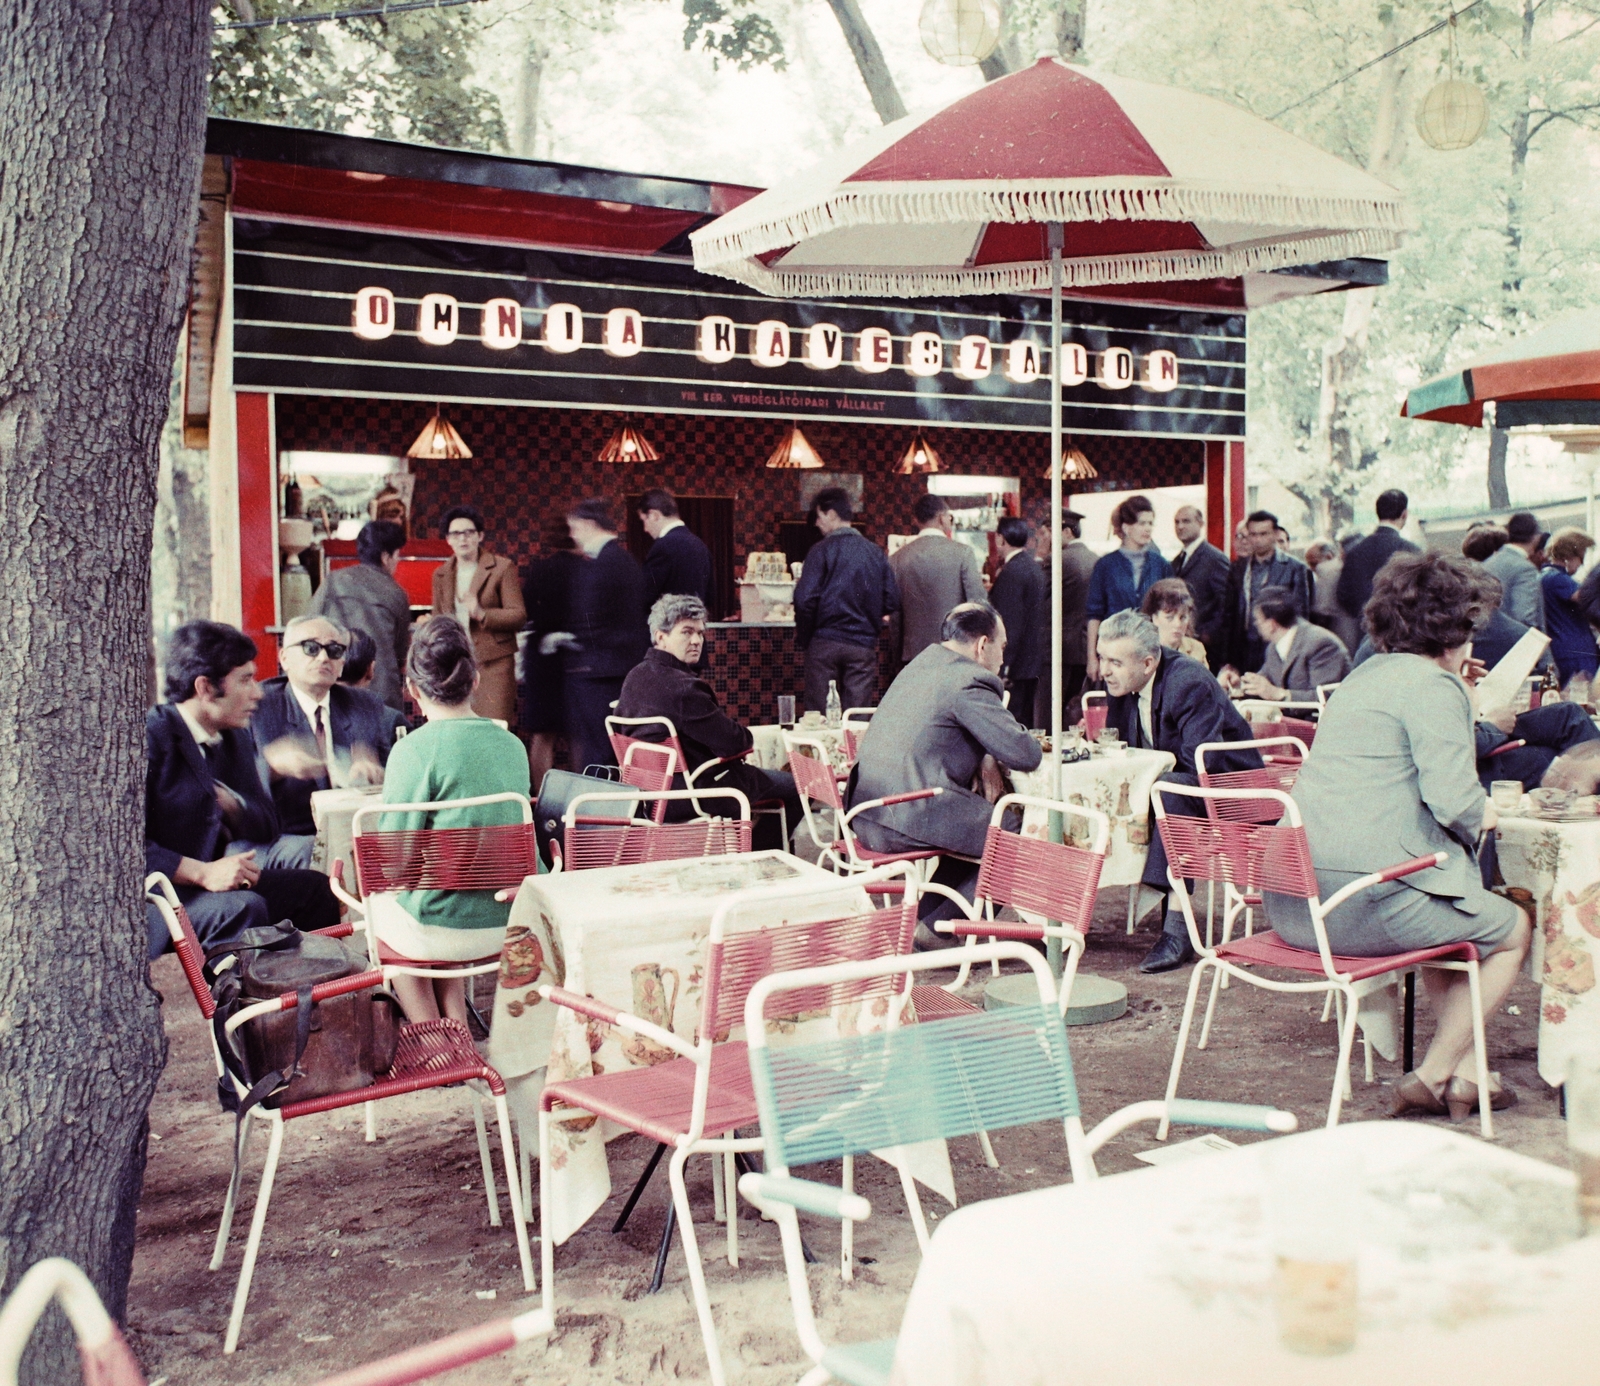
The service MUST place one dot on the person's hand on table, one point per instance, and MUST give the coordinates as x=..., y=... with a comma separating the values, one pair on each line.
x=365, y=768
x=1257, y=686
x=292, y=758
x=1502, y=718
x=1228, y=677
x=238, y=872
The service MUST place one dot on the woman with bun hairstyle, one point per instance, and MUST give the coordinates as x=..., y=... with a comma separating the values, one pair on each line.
x=456, y=754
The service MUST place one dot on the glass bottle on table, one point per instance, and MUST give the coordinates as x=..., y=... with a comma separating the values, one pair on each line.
x=834, y=713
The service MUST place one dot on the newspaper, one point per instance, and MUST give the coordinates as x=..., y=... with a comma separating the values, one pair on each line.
x=1498, y=688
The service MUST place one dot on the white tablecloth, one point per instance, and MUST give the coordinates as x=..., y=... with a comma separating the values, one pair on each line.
x=1119, y=786
x=769, y=752
x=1559, y=865
x=1466, y=1275
x=333, y=811
x=633, y=936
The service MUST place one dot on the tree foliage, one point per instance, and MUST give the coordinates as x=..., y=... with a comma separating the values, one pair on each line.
x=734, y=33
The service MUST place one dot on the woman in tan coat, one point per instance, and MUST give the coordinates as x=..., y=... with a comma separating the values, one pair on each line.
x=484, y=592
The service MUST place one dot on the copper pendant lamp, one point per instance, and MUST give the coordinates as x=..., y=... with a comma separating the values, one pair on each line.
x=439, y=441
x=794, y=451
x=920, y=457
x=626, y=445
x=1074, y=465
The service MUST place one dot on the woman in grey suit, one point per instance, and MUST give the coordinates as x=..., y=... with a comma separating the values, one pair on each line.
x=1393, y=777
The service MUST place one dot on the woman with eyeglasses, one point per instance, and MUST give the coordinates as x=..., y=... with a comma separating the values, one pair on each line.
x=482, y=591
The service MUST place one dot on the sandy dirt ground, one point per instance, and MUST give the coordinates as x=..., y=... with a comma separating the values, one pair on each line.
x=373, y=1248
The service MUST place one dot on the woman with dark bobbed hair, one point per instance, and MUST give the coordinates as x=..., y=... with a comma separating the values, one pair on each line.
x=483, y=591
x=455, y=755
x=1394, y=777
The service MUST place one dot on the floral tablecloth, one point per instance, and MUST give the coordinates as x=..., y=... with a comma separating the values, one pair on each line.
x=635, y=936
x=769, y=752
x=1118, y=784
x=333, y=811
x=1559, y=865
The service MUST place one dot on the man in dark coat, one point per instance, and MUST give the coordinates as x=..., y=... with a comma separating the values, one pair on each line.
x=1017, y=594
x=1204, y=567
x=678, y=560
x=203, y=794
x=608, y=631
x=1165, y=701
x=1364, y=559
x=368, y=598
x=666, y=683
x=314, y=731
x=1263, y=565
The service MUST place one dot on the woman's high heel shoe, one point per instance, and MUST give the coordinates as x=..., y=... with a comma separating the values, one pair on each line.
x=1462, y=1097
x=1413, y=1097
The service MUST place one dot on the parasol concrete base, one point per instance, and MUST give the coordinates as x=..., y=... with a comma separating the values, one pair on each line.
x=1094, y=1001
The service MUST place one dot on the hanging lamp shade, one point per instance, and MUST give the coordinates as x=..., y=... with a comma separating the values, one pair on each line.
x=794, y=451
x=960, y=33
x=920, y=457
x=626, y=445
x=1074, y=465
x=1453, y=115
x=439, y=440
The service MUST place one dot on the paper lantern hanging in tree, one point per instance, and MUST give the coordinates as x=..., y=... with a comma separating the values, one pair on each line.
x=960, y=33
x=1452, y=115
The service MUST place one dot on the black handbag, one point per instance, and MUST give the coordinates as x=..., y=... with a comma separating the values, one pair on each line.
x=556, y=793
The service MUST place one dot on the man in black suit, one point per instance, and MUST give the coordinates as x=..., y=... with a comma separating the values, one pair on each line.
x=667, y=683
x=313, y=730
x=1165, y=701
x=1018, y=593
x=678, y=561
x=1261, y=565
x=1204, y=567
x=608, y=630
x=203, y=796
x=1363, y=560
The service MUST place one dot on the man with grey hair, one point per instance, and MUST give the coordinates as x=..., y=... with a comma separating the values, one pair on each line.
x=1159, y=700
x=667, y=683
x=315, y=732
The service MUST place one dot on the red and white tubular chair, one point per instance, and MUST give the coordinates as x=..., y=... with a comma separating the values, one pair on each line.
x=643, y=772
x=1264, y=848
x=694, y=1103
x=619, y=838
x=432, y=1054
x=109, y=1361
x=854, y=724
x=840, y=850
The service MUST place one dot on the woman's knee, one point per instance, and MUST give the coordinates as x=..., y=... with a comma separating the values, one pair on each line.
x=1521, y=935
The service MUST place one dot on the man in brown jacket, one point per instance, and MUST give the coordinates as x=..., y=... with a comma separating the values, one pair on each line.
x=935, y=573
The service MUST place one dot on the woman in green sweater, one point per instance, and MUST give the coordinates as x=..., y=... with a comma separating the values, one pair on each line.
x=456, y=755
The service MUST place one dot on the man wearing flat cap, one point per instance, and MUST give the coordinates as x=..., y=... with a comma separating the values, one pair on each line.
x=1522, y=597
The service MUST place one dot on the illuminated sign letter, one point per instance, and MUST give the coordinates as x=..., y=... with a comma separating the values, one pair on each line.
x=437, y=315
x=1074, y=363
x=372, y=318
x=563, y=328
x=1022, y=361
x=502, y=324
x=874, y=351
x=973, y=358
x=769, y=343
x=1160, y=371
x=1116, y=369
x=925, y=354
x=824, y=346
x=714, y=341
x=624, y=332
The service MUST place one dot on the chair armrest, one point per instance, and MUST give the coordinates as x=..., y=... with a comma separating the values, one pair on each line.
x=323, y=991
x=629, y=1024
x=1505, y=746
x=343, y=930
x=911, y=797
x=1235, y=1116
x=507, y=895
x=808, y=1196
x=1390, y=873
x=467, y=1345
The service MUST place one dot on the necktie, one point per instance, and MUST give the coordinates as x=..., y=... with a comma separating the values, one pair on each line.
x=322, y=737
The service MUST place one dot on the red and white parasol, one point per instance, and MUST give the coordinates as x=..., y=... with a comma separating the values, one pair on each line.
x=1151, y=183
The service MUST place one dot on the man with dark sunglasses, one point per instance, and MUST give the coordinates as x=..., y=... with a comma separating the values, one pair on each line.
x=314, y=731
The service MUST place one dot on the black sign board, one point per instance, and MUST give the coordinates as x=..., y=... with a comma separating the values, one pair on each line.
x=650, y=334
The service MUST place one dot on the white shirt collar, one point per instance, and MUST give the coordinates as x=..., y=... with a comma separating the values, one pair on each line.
x=669, y=526
x=594, y=551
x=202, y=738
x=1146, y=704
x=1284, y=641
x=1009, y=554
x=933, y=529
x=1189, y=549
x=309, y=706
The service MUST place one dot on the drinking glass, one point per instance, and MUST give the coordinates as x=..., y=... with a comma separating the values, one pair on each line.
x=1313, y=1190
x=1094, y=718
x=786, y=710
x=1582, y=1094
x=1506, y=795
x=1107, y=736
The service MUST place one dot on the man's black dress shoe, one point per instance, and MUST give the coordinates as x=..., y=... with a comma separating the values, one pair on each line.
x=1171, y=950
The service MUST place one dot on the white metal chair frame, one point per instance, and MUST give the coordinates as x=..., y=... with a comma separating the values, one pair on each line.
x=1347, y=989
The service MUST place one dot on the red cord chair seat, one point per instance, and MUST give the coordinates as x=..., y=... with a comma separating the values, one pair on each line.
x=658, y=1101
x=1266, y=949
x=430, y=1054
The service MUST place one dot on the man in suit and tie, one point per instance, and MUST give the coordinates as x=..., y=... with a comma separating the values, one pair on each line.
x=1300, y=656
x=1017, y=594
x=315, y=731
x=1364, y=559
x=1205, y=568
x=934, y=574
x=1261, y=565
x=1165, y=701
x=203, y=796
x=678, y=562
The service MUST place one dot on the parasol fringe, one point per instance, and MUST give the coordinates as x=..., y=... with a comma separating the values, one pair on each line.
x=1031, y=276
x=942, y=204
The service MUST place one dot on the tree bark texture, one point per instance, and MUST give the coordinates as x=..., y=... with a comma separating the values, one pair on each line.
x=102, y=125
x=869, y=60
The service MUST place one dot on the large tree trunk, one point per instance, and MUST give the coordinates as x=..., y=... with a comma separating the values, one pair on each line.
x=102, y=123
x=869, y=60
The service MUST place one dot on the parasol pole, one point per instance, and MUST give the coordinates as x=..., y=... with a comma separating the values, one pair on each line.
x=1057, y=827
